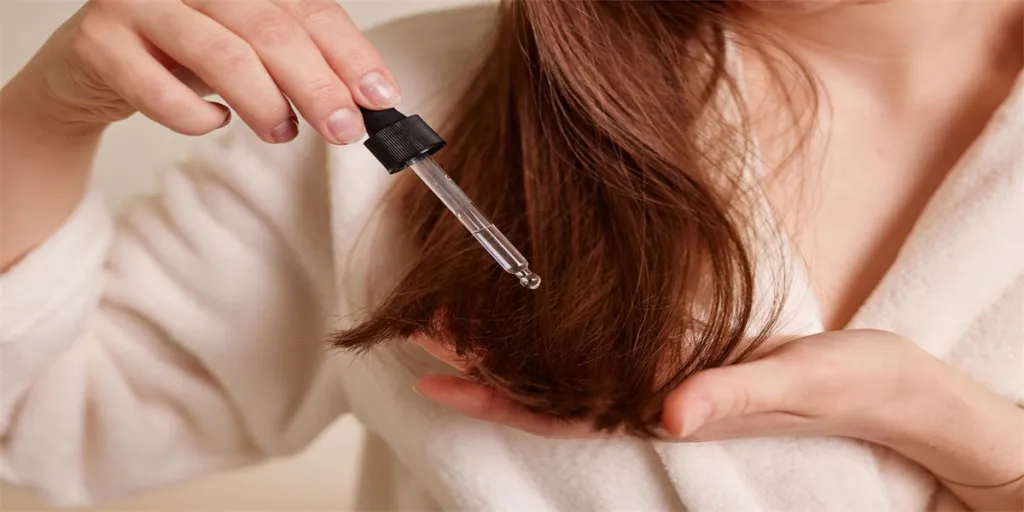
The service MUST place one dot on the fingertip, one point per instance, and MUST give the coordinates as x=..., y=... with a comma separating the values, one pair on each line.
x=673, y=414
x=684, y=404
x=418, y=388
x=453, y=392
x=682, y=419
x=345, y=126
x=671, y=422
x=379, y=90
x=434, y=385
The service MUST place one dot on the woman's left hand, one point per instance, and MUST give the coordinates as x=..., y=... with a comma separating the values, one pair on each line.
x=865, y=384
x=847, y=383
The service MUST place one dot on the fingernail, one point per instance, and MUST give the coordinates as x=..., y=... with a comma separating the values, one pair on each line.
x=345, y=125
x=695, y=417
x=378, y=89
x=285, y=131
x=661, y=433
x=227, y=115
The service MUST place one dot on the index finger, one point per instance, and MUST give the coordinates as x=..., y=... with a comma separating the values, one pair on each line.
x=443, y=350
x=489, y=404
x=347, y=51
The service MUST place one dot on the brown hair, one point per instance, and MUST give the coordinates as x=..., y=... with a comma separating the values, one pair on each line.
x=596, y=138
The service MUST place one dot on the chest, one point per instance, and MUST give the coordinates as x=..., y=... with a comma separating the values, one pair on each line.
x=852, y=199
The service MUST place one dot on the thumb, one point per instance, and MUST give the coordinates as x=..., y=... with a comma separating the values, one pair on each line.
x=729, y=392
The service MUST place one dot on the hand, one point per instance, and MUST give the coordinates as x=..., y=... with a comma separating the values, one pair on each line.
x=115, y=57
x=850, y=383
x=869, y=385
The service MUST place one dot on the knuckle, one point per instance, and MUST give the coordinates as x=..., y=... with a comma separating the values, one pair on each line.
x=882, y=336
x=357, y=59
x=87, y=38
x=81, y=46
x=318, y=11
x=742, y=400
x=94, y=6
x=271, y=29
x=323, y=91
x=225, y=52
x=156, y=99
x=497, y=409
x=109, y=9
x=737, y=399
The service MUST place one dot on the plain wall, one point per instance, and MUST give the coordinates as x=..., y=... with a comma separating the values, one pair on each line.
x=132, y=153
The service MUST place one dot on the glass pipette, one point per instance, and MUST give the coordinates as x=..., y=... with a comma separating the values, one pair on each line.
x=399, y=142
x=482, y=229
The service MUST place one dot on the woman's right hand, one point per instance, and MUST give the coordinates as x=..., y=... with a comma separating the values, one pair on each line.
x=159, y=57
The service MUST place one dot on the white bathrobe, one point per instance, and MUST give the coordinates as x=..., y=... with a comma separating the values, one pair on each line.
x=189, y=338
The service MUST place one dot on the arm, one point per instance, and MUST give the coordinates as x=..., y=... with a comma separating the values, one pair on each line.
x=189, y=338
x=966, y=435
x=187, y=341
x=44, y=167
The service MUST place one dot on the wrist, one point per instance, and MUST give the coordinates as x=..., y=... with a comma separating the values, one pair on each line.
x=952, y=425
x=921, y=402
x=29, y=109
x=44, y=168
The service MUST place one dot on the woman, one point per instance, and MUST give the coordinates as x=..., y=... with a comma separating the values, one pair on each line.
x=705, y=188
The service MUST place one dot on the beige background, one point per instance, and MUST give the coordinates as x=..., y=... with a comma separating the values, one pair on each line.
x=322, y=477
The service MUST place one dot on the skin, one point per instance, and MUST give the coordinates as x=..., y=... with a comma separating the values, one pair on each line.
x=868, y=385
x=114, y=58
x=890, y=60
x=894, y=61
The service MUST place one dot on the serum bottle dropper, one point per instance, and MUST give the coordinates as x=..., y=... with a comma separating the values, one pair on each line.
x=398, y=141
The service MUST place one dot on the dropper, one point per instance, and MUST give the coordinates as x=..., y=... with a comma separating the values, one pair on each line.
x=399, y=142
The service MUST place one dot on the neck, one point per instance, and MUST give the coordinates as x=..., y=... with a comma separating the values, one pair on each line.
x=904, y=43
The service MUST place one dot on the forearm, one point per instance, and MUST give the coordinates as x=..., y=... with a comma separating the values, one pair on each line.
x=971, y=439
x=44, y=169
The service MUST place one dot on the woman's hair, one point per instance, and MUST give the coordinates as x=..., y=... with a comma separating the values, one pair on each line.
x=599, y=137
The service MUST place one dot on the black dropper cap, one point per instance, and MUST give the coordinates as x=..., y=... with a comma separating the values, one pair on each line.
x=396, y=140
